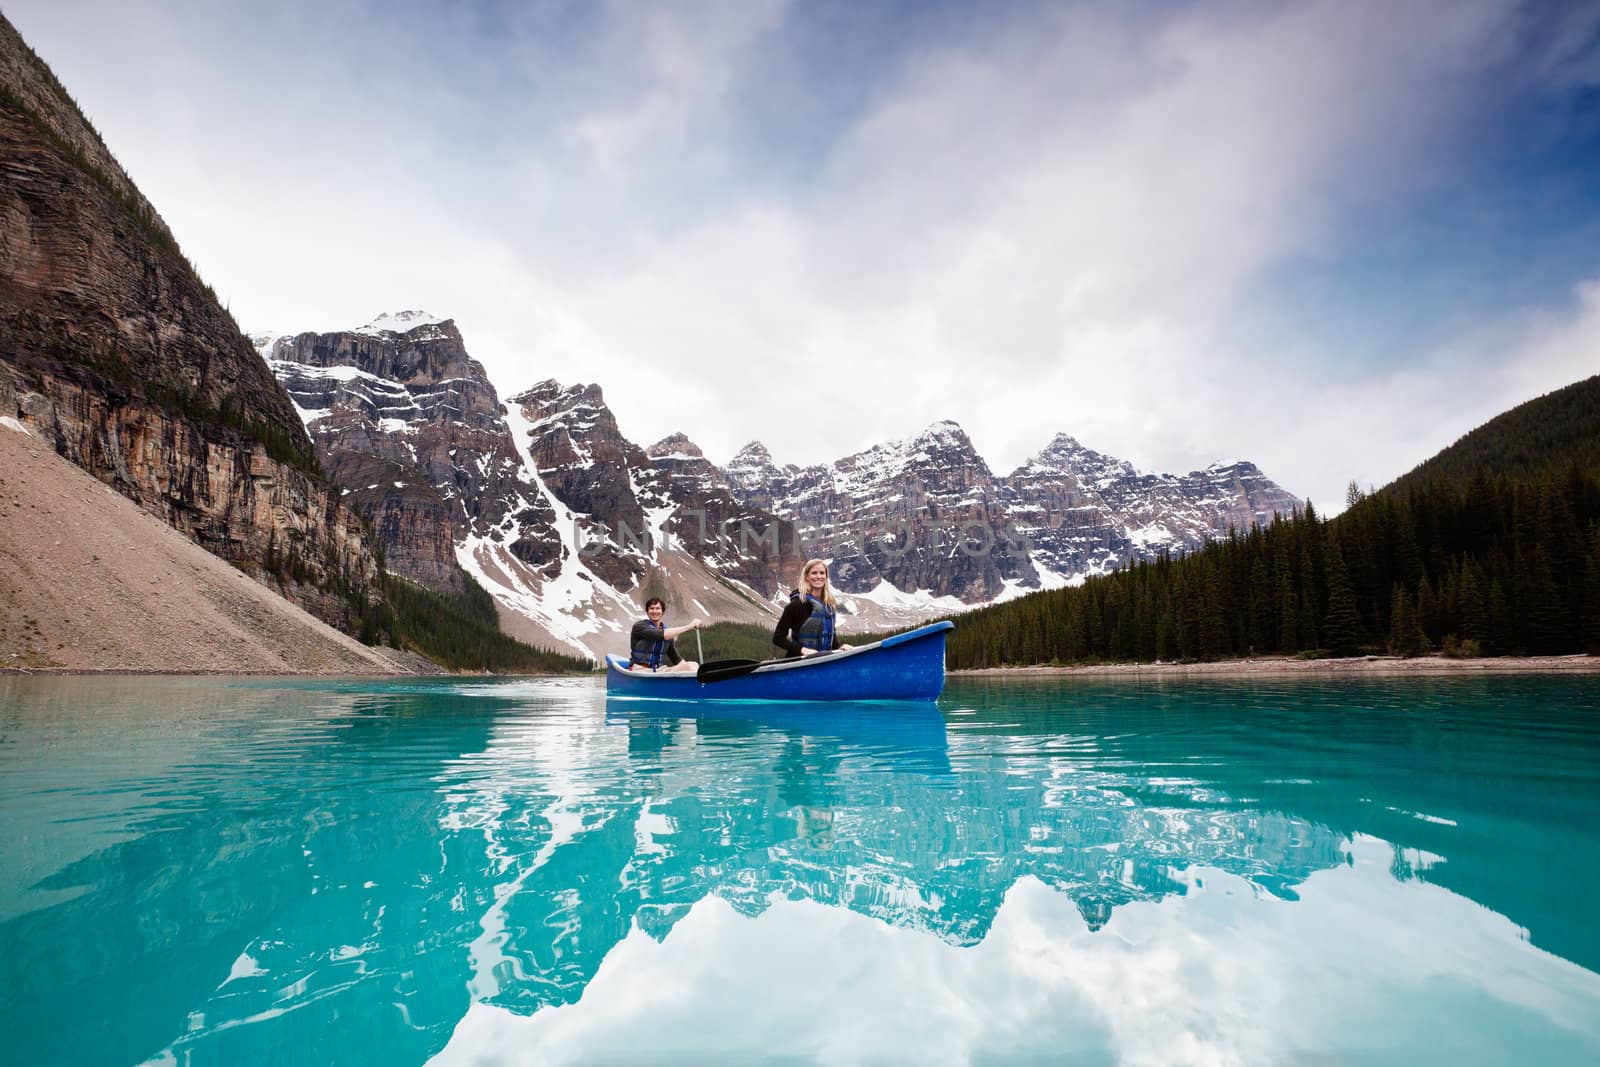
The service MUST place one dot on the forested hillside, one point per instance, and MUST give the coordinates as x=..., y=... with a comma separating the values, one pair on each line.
x=1465, y=559
x=459, y=631
x=1554, y=430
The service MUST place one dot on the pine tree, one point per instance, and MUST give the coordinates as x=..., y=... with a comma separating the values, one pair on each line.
x=1405, y=630
x=1309, y=633
x=1260, y=610
x=1591, y=593
x=1474, y=606
x=1342, y=626
x=1546, y=633
x=1501, y=624
x=1407, y=556
x=1288, y=636
x=1428, y=610
x=1188, y=618
x=1288, y=616
x=1213, y=629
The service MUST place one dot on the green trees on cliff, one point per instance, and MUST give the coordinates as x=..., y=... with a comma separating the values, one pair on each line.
x=460, y=632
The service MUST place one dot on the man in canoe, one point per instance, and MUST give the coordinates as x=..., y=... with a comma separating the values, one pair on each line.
x=652, y=647
x=806, y=626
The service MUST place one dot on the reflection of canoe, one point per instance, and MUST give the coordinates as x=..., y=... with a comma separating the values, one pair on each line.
x=908, y=666
x=898, y=735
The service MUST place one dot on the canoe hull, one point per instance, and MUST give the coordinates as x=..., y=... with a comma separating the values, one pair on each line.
x=908, y=666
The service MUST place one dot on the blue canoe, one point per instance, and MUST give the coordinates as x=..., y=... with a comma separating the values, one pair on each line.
x=908, y=666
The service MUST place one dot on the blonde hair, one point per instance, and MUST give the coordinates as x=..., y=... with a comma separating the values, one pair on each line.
x=827, y=586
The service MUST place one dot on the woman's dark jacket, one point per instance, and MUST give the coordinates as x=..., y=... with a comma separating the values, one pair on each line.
x=794, y=616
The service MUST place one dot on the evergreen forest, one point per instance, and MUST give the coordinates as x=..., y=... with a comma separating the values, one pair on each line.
x=460, y=632
x=1490, y=548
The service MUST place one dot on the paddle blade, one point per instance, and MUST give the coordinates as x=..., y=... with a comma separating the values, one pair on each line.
x=723, y=669
x=719, y=664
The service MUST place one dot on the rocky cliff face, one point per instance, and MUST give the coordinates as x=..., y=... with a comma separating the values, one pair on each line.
x=586, y=463
x=408, y=424
x=112, y=349
x=744, y=542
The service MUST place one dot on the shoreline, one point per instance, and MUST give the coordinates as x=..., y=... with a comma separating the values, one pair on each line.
x=138, y=672
x=1282, y=666
x=1265, y=666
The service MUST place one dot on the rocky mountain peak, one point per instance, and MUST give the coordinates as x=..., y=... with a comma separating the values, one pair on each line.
x=1086, y=512
x=755, y=479
x=1064, y=455
x=675, y=446
x=410, y=426
x=942, y=457
x=581, y=406
x=753, y=454
x=404, y=322
x=943, y=430
x=754, y=465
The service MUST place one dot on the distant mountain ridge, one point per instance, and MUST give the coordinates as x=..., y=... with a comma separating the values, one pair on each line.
x=926, y=512
x=545, y=502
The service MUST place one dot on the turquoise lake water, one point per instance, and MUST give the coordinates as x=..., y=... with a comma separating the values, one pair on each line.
x=207, y=871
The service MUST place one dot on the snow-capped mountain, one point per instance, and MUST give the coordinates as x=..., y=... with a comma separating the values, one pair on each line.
x=408, y=424
x=570, y=525
x=1086, y=513
x=926, y=518
x=923, y=515
x=541, y=500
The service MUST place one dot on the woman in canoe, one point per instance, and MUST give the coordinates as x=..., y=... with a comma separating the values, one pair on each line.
x=652, y=643
x=806, y=626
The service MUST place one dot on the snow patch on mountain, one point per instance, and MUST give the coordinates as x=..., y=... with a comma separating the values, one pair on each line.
x=1153, y=534
x=263, y=342
x=922, y=600
x=574, y=606
x=399, y=322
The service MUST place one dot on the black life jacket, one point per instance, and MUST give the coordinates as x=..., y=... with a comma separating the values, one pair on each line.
x=647, y=651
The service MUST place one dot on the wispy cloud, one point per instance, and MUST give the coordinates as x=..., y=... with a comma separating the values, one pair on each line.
x=1026, y=218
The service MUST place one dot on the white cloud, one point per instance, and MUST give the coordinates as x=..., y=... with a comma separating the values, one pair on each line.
x=1065, y=222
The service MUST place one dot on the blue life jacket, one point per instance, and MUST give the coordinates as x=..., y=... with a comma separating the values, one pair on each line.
x=817, y=631
x=647, y=652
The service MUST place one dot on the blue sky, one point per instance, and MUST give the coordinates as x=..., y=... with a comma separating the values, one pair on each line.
x=1327, y=237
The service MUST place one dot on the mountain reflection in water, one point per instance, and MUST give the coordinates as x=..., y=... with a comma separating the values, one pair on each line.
x=474, y=870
